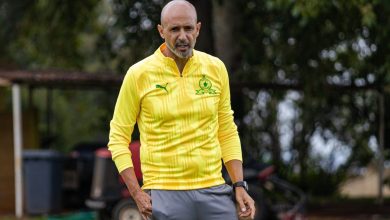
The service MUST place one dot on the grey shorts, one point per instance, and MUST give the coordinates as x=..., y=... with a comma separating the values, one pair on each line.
x=214, y=203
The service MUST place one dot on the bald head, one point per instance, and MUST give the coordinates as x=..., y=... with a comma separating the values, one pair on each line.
x=175, y=6
x=179, y=28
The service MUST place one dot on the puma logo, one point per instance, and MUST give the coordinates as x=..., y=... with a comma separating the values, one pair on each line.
x=162, y=87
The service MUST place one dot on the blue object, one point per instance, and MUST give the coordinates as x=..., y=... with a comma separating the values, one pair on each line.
x=42, y=181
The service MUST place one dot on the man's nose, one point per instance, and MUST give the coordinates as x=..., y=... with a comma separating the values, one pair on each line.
x=182, y=35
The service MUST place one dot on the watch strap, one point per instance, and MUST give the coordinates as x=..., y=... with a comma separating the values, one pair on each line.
x=242, y=184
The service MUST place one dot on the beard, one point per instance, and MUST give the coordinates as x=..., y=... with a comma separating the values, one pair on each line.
x=181, y=54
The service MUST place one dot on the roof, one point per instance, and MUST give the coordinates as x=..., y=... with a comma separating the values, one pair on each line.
x=79, y=79
x=56, y=78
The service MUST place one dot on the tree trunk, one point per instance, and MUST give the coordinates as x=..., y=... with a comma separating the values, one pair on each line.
x=275, y=134
x=205, y=41
x=225, y=20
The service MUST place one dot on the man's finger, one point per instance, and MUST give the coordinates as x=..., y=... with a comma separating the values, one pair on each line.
x=148, y=207
x=250, y=210
x=241, y=205
x=253, y=210
x=147, y=212
x=246, y=213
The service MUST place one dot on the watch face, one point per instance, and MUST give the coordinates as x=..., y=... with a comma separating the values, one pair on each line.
x=246, y=186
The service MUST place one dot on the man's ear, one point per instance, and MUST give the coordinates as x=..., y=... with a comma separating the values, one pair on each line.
x=160, y=30
x=198, y=25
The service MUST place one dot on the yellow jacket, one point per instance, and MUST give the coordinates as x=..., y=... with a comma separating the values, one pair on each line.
x=185, y=121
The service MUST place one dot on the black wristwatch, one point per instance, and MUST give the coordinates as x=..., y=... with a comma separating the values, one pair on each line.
x=242, y=184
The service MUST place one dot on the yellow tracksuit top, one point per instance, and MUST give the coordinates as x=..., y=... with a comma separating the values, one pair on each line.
x=185, y=122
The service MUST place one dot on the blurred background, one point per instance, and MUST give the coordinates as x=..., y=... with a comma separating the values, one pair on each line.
x=309, y=84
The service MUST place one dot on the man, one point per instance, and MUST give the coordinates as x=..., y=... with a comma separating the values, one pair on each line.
x=180, y=99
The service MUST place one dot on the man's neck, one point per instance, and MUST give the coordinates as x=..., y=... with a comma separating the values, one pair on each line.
x=180, y=62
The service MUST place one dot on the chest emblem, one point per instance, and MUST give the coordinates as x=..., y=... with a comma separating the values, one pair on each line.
x=162, y=87
x=205, y=86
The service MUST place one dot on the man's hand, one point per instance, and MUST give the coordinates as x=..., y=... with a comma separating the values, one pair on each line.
x=144, y=204
x=141, y=198
x=246, y=205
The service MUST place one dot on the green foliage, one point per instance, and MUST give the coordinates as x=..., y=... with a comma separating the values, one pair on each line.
x=130, y=32
x=52, y=34
x=46, y=33
x=319, y=182
x=91, y=35
x=76, y=116
x=313, y=43
x=308, y=43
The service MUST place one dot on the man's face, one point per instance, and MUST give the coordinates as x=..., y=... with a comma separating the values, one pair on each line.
x=180, y=30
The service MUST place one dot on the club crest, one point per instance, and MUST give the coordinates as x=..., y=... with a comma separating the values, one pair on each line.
x=205, y=86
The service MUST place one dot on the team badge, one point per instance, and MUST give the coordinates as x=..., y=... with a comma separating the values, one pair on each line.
x=205, y=86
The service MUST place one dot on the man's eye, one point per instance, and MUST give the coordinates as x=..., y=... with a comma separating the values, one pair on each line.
x=174, y=29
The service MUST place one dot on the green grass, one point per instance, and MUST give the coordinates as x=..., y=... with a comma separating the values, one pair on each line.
x=68, y=216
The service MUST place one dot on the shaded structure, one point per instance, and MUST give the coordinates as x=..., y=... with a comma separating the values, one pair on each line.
x=48, y=79
x=60, y=79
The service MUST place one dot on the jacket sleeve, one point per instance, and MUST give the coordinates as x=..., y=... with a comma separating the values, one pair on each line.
x=122, y=124
x=227, y=132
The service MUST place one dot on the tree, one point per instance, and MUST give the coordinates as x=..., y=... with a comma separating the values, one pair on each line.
x=313, y=44
x=309, y=45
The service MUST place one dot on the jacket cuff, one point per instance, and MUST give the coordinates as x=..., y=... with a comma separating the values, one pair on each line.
x=123, y=162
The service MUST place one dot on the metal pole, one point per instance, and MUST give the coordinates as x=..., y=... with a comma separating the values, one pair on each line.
x=18, y=142
x=49, y=102
x=381, y=137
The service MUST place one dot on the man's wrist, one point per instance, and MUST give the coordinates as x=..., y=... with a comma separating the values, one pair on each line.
x=239, y=189
x=136, y=193
x=241, y=184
